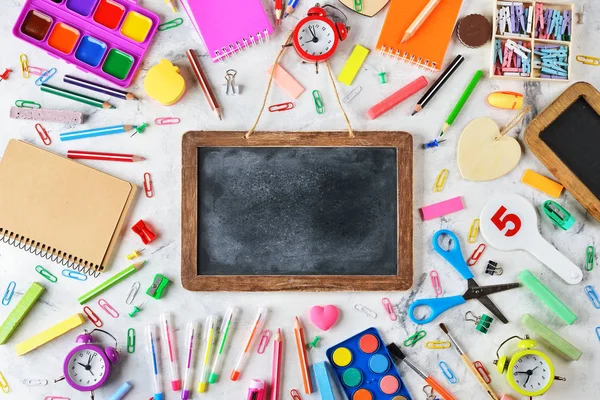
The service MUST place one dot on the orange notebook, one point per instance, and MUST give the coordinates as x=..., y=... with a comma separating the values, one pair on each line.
x=428, y=46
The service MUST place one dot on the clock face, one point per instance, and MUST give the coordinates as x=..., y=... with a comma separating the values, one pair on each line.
x=532, y=373
x=87, y=368
x=316, y=40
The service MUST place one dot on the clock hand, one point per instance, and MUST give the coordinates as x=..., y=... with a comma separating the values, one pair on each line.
x=520, y=372
x=83, y=365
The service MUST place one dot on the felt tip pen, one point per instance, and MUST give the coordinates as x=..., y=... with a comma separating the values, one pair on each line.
x=224, y=332
x=155, y=362
x=171, y=349
x=255, y=331
x=209, y=339
x=191, y=343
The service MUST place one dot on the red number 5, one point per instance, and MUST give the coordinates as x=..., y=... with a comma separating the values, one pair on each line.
x=501, y=221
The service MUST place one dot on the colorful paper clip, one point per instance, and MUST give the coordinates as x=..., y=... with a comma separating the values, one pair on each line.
x=56, y=398
x=281, y=107
x=588, y=60
x=148, y=186
x=37, y=70
x=8, y=294
x=482, y=324
x=24, y=66
x=413, y=339
x=318, y=101
x=482, y=371
x=476, y=255
x=43, y=133
x=45, y=77
x=358, y=5
x=4, y=384
x=438, y=186
x=493, y=268
x=167, y=121
x=598, y=332
x=352, y=94
x=435, y=282
x=46, y=274
x=132, y=292
x=590, y=255
x=558, y=215
x=591, y=293
x=174, y=23
x=448, y=372
x=130, y=340
x=135, y=254
x=473, y=231
x=367, y=311
x=93, y=317
x=389, y=308
x=144, y=232
x=264, y=341
x=78, y=276
x=437, y=345
x=27, y=104
x=295, y=394
x=110, y=310
x=35, y=382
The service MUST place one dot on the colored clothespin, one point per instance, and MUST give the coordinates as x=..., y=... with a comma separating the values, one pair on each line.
x=497, y=52
x=158, y=287
x=513, y=19
x=539, y=18
x=520, y=18
x=508, y=56
x=526, y=65
x=143, y=231
x=482, y=324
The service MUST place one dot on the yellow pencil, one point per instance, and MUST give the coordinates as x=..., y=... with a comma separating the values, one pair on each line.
x=423, y=15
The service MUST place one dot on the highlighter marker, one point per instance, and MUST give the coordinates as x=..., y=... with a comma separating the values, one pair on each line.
x=224, y=331
x=155, y=362
x=257, y=326
x=191, y=343
x=171, y=349
x=209, y=338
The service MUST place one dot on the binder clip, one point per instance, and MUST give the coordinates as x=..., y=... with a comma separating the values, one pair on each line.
x=159, y=284
x=558, y=215
x=144, y=232
x=230, y=89
x=482, y=323
x=493, y=268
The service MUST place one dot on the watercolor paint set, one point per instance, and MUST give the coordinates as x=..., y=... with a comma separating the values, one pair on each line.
x=105, y=37
x=365, y=369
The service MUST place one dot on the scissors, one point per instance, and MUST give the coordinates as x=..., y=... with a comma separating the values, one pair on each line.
x=440, y=305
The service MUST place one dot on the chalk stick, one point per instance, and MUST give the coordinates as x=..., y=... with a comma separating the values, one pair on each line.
x=547, y=297
x=49, y=334
x=541, y=183
x=43, y=114
x=397, y=97
x=287, y=82
x=551, y=337
x=442, y=208
x=20, y=311
x=121, y=391
x=352, y=66
x=321, y=372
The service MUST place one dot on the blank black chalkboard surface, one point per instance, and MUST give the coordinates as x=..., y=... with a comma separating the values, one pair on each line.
x=566, y=138
x=297, y=211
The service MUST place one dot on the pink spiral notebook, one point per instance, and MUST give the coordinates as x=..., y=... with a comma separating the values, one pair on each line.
x=227, y=26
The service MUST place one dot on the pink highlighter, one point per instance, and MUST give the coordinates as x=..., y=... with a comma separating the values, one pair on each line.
x=257, y=390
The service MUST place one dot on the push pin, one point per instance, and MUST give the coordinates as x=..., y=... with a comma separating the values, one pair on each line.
x=135, y=254
x=482, y=323
x=433, y=143
x=136, y=310
x=493, y=268
x=382, y=77
x=314, y=343
x=140, y=129
x=230, y=89
x=4, y=76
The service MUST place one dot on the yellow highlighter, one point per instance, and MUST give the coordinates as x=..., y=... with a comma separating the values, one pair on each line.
x=209, y=338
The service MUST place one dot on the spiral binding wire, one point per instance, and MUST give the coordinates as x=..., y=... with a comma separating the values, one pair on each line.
x=250, y=41
x=410, y=59
x=49, y=253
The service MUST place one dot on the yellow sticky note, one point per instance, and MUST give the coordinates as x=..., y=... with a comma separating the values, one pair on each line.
x=49, y=334
x=355, y=61
x=541, y=183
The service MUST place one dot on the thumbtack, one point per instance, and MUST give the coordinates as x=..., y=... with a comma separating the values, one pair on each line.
x=136, y=310
x=314, y=343
x=382, y=77
x=4, y=75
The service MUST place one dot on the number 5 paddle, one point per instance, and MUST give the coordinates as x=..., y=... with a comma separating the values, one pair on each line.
x=509, y=222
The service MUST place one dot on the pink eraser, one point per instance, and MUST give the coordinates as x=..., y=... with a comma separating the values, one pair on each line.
x=442, y=208
x=176, y=385
x=397, y=97
x=287, y=82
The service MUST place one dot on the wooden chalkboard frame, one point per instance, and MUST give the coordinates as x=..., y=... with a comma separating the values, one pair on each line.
x=545, y=154
x=403, y=279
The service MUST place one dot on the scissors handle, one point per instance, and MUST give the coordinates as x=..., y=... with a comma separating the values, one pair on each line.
x=454, y=256
x=436, y=306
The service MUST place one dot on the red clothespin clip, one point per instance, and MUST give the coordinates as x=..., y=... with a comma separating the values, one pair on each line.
x=476, y=255
x=148, y=187
x=144, y=231
x=4, y=76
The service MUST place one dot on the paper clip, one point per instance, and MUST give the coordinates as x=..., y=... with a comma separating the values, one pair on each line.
x=43, y=134
x=8, y=294
x=598, y=332
x=148, y=186
x=92, y=316
x=437, y=345
x=588, y=60
x=358, y=5
x=474, y=231
x=130, y=340
x=448, y=372
x=440, y=181
x=36, y=70
x=281, y=107
x=35, y=382
x=78, y=276
x=482, y=371
x=352, y=94
x=435, y=282
x=45, y=77
x=132, y=292
x=590, y=255
x=318, y=101
x=389, y=308
x=295, y=394
x=46, y=274
x=412, y=340
x=4, y=384
x=56, y=398
x=174, y=23
x=264, y=341
x=167, y=121
x=27, y=104
x=476, y=255
x=593, y=296
x=24, y=66
x=108, y=308
x=367, y=311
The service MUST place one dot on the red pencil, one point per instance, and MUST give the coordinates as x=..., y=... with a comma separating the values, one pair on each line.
x=278, y=11
x=92, y=155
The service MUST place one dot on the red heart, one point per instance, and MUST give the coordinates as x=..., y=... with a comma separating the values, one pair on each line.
x=324, y=317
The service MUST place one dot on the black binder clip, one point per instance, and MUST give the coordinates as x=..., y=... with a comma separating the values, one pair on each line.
x=493, y=268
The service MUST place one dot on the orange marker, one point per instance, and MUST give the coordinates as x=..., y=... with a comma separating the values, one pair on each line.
x=302, y=356
x=254, y=333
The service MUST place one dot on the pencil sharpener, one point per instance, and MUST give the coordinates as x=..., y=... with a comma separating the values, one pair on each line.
x=158, y=287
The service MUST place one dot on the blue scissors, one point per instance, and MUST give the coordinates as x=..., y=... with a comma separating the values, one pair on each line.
x=440, y=305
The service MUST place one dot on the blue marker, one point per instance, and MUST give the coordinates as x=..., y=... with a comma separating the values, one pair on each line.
x=155, y=358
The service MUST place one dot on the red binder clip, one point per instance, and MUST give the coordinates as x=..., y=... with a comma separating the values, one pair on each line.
x=144, y=231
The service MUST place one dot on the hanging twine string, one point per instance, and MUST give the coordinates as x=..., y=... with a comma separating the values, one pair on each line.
x=515, y=121
x=337, y=96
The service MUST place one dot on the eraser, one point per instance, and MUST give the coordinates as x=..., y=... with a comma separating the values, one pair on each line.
x=20, y=311
x=397, y=97
x=43, y=114
x=49, y=334
x=287, y=82
x=541, y=183
x=551, y=337
x=352, y=66
x=442, y=208
x=547, y=297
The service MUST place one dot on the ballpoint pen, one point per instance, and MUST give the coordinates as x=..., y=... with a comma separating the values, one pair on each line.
x=276, y=371
x=191, y=342
x=171, y=349
x=224, y=331
x=254, y=333
x=155, y=362
x=209, y=338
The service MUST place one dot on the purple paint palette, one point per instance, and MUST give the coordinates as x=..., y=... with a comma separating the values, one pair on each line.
x=365, y=369
x=105, y=37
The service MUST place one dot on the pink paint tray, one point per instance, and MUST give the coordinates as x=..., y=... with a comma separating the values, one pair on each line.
x=105, y=37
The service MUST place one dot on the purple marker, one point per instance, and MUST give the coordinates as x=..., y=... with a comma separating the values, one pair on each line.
x=191, y=341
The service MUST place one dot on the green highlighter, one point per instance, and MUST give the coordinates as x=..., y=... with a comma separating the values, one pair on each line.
x=547, y=297
x=462, y=101
x=20, y=311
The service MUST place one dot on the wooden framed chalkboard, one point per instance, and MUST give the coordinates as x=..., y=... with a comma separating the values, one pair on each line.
x=284, y=211
x=566, y=139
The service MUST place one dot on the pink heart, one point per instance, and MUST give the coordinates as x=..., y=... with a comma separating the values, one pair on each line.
x=324, y=317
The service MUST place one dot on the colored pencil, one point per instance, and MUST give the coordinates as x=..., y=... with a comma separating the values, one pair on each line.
x=107, y=284
x=67, y=94
x=292, y=4
x=109, y=130
x=278, y=11
x=437, y=85
x=276, y=371
x=208, y=92
x=302, y=356
x=172, y=4
x=423, y=15
x=462, y=101
x=96, y=87
x=92, y=155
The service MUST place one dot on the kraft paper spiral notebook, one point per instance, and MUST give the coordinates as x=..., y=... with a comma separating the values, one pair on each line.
x=72, y=214
x=427, y=47
x=227, y=26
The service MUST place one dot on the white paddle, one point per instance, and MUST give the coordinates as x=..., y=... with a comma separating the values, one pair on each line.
x=509, y=222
